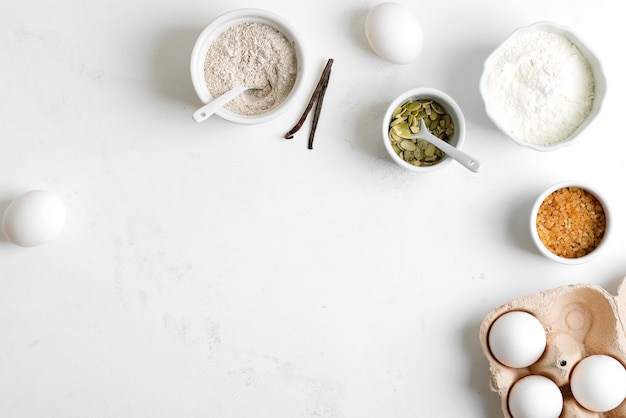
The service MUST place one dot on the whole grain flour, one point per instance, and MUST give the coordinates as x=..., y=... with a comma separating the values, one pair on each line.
x=254, y=55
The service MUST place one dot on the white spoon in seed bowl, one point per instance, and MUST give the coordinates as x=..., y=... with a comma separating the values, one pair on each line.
x=466, y=160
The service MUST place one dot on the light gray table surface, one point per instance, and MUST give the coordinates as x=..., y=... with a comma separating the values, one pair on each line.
x=218, y=270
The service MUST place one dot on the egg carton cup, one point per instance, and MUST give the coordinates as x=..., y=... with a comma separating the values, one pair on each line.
x=580, y=321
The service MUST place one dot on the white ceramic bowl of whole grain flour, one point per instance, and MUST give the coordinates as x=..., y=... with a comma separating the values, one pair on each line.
x=248, y=46
x=542, y=86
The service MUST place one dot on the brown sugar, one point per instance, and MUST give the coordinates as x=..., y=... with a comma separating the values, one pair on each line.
x=571, y=222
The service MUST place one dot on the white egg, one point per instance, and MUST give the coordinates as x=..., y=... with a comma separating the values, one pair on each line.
x=517, y=339
x=34, y=218
x=535, y=396
x=394, y=32
x=598, y=383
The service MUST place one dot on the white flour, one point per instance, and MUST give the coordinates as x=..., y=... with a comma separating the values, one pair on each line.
x=254, y=55
x=540, y=88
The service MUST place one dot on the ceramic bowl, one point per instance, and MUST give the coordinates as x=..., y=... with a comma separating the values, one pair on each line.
x=450, y=106
x=492, y=107
x=541, y=246
x=217, y=27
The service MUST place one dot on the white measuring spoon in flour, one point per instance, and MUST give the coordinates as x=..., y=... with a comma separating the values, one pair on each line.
x=467, y=161
x=208, y=109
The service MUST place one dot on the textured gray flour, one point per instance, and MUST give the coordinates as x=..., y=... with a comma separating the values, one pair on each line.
x=254, y=55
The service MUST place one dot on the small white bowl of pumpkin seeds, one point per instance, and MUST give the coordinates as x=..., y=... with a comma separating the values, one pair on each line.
x=400, y=128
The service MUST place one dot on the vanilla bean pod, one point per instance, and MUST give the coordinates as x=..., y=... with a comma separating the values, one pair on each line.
x=318, y=109
x=320, y=90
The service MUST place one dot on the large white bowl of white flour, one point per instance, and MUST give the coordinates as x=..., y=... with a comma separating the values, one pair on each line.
x=542, y=86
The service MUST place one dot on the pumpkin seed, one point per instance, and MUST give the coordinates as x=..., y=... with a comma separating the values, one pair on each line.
x=397, y=121
x=394, y=136
x=407, y=145
x=413, y=106
x=398, y=112
x=402, y=130
x=437, y=108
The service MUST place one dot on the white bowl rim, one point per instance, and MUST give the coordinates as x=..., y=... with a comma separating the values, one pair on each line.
x=596, y=67
x=445, y=100
x=219, y=25
x=533, y=219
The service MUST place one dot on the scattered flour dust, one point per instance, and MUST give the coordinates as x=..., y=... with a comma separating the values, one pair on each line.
x=540, y=88
x=254, y=55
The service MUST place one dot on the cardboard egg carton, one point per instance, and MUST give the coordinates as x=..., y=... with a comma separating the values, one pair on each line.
x=580, y=320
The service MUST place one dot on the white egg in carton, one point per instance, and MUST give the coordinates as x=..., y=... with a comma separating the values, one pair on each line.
x=575, y=369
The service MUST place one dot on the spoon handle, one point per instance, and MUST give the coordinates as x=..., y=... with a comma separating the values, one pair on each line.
x=208, y=109
x=466, y=160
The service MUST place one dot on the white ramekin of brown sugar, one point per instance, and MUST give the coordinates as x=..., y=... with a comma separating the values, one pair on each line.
x=570, y=222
